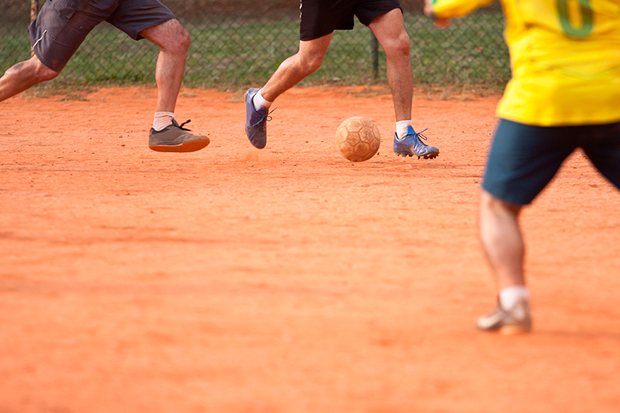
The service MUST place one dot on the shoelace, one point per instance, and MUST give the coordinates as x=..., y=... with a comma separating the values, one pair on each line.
x=263, y=117
x=420, y=134
x=185, y=123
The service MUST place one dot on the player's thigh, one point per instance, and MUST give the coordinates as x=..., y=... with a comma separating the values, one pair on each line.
x=523, y=159
x=321, y=17
x=61, y=27
x=132, y=17
x=601, y=143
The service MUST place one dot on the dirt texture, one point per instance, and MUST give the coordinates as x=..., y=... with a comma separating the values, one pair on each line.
x=288, y=279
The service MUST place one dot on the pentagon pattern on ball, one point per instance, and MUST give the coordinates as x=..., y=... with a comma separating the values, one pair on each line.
x=358, y=139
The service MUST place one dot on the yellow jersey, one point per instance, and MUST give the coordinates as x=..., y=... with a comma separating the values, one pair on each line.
x=564, y=55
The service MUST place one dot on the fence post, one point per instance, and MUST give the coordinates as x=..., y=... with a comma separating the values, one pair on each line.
x=374, y=44
x=34, y=10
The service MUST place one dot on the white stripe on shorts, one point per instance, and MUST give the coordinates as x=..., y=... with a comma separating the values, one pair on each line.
x=39, y=39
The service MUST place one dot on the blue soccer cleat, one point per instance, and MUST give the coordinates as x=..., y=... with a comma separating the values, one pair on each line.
x=255, y=121
x=412, y=144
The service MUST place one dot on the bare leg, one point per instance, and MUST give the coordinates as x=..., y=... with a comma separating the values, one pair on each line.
x=297, y=67
x=502, y=241
x=23, y=76
x=390, y=31
x=174, y=41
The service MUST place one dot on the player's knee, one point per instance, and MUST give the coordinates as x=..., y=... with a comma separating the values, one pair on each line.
x=170, y=36
x=315, y=64
x=45, y=74
x=399, y=45
x=403, y=44
x=183, y=40
x=312, y=63
x=33, y=69
x=180, y=38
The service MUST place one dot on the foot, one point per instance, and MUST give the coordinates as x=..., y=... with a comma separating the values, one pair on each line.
x=175, y=138
x=514, y=321
x=255, y=121
x=412, y=144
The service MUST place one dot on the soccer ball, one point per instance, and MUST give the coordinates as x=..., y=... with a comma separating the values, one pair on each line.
x=358, y=139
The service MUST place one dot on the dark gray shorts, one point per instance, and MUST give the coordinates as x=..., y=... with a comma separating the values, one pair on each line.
x=321, y=17
x=62, y=25
x=523, y=159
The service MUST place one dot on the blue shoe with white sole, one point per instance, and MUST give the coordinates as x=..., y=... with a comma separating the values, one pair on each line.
x=412, y=145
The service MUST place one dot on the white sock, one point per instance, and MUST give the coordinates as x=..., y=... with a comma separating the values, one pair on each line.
x=162, y=119
x=260, y=102
x=401, y=128
x=509, y=296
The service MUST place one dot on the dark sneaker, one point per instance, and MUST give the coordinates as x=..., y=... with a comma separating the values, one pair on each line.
x=514, y=321
x=175, y=138
x=412, y=144
x=255, y=121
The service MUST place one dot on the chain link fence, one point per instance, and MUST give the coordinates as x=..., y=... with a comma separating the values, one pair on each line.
x=237, y=43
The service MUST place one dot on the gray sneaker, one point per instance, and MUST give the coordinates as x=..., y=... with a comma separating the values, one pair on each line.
x=175, y=138
x=514, y=321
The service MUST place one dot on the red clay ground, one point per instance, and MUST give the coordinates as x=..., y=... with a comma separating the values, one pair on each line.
x=286, y=280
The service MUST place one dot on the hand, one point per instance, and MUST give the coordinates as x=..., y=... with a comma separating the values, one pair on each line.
x=428, y=7
x=442, y=23
x=439, y=23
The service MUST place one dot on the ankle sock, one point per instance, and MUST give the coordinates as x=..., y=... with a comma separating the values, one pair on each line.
x=401, y=128
x=162, y=120
x=509, y=296
x=260, y=102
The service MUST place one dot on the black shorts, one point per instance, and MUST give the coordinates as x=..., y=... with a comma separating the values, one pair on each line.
x=321, y=17
x=62, y=25
x=524, y=158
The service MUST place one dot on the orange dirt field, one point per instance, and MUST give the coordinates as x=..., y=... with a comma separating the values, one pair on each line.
x=288, y=279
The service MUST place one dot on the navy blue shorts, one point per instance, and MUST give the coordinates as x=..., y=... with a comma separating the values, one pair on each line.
x=321, y=17
x=523, y=159
x=62, y=25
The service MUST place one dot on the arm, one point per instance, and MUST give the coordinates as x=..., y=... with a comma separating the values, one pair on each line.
x=442, y=10
x=439, y=22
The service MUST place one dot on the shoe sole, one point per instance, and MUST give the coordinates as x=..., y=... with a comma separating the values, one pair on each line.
x=184, y=147
x=513, y=330
x=507, y=330
x=427, y=156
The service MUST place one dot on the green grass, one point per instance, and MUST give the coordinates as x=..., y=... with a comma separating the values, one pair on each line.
x=231, y=55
